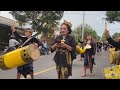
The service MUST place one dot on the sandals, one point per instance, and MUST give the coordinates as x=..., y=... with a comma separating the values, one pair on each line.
x=83, y=75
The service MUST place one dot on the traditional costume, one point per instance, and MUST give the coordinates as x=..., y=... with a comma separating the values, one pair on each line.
x=88, y=60
x=27, y=68
x=63, y=58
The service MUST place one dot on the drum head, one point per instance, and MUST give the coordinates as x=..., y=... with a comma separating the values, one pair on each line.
x=34, y=52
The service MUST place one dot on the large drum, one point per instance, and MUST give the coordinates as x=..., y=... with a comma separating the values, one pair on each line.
x=112, y=72
x=82, y=50
x=112, y=55
x=19, y=57
x=117, y=56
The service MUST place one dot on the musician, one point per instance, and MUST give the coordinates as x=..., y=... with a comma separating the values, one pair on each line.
x=89, y=55
x=13, y=42
x=64, y=51
x=111, y=41
x=99, y=47
x=118, y=40
x=27, y=68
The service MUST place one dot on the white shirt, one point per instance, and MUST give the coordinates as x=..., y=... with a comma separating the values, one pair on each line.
x=13, y=42
x=45, y=45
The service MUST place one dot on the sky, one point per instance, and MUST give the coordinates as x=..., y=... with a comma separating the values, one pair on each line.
x=92, y=18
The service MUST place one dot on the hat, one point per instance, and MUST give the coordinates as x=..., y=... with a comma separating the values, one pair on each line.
x=68, y=23
x=28, y=30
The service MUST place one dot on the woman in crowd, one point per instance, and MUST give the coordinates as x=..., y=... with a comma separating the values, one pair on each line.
x=65, y=47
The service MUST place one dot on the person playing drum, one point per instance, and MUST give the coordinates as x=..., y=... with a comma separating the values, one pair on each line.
x=111, y=41
x=27, y=68
x=89, y=55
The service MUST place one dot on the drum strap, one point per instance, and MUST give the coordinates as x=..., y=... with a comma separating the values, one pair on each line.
x=29, y=39
x=11, y=48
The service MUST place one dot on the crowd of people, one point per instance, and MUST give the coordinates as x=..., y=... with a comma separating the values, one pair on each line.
x=64, y=47
x=17, y=40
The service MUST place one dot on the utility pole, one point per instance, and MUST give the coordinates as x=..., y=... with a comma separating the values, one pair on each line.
x=83, y=25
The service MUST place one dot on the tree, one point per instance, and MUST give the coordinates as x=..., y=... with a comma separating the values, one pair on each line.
x=115, y=35
x=77, y=32
x=104, y=37
x=113, y=16
x=98, y=38
x=41, y=21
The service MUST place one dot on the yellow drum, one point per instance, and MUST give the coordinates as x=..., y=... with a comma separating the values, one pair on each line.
x=111, y=49
x=112, y=55
x=117, y=57
x=112, y=72
x=19, y=57
x=80, y=50
x=77, y=48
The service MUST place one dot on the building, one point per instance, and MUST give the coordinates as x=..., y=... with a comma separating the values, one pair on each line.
x=5, y=30
x=9, y=22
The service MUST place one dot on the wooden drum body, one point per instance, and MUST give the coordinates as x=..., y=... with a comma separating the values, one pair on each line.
x=19, y=57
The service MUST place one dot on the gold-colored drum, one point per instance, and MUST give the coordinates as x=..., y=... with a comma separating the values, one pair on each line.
x=112, y=72
x=82, y=50
x=112, y=59
x=112, y=55
x=19, y=57
x=117, y=57
x=77, y=48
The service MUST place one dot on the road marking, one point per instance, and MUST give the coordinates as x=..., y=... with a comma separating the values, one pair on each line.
x=42, y=71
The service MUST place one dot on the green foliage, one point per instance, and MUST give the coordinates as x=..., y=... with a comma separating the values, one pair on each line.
x=77, y=32
x=104, y=37
x=115, y=35
x=113, y=16
x=98, y=38
x=42, y=21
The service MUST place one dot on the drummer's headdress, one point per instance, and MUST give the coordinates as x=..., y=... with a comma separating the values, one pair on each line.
x=28, y=30
x=69, y=25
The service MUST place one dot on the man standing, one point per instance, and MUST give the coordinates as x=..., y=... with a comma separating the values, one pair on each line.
x=45, y=46
x=27, y=68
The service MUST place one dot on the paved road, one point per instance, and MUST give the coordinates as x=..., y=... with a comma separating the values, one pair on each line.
x=45, y=68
